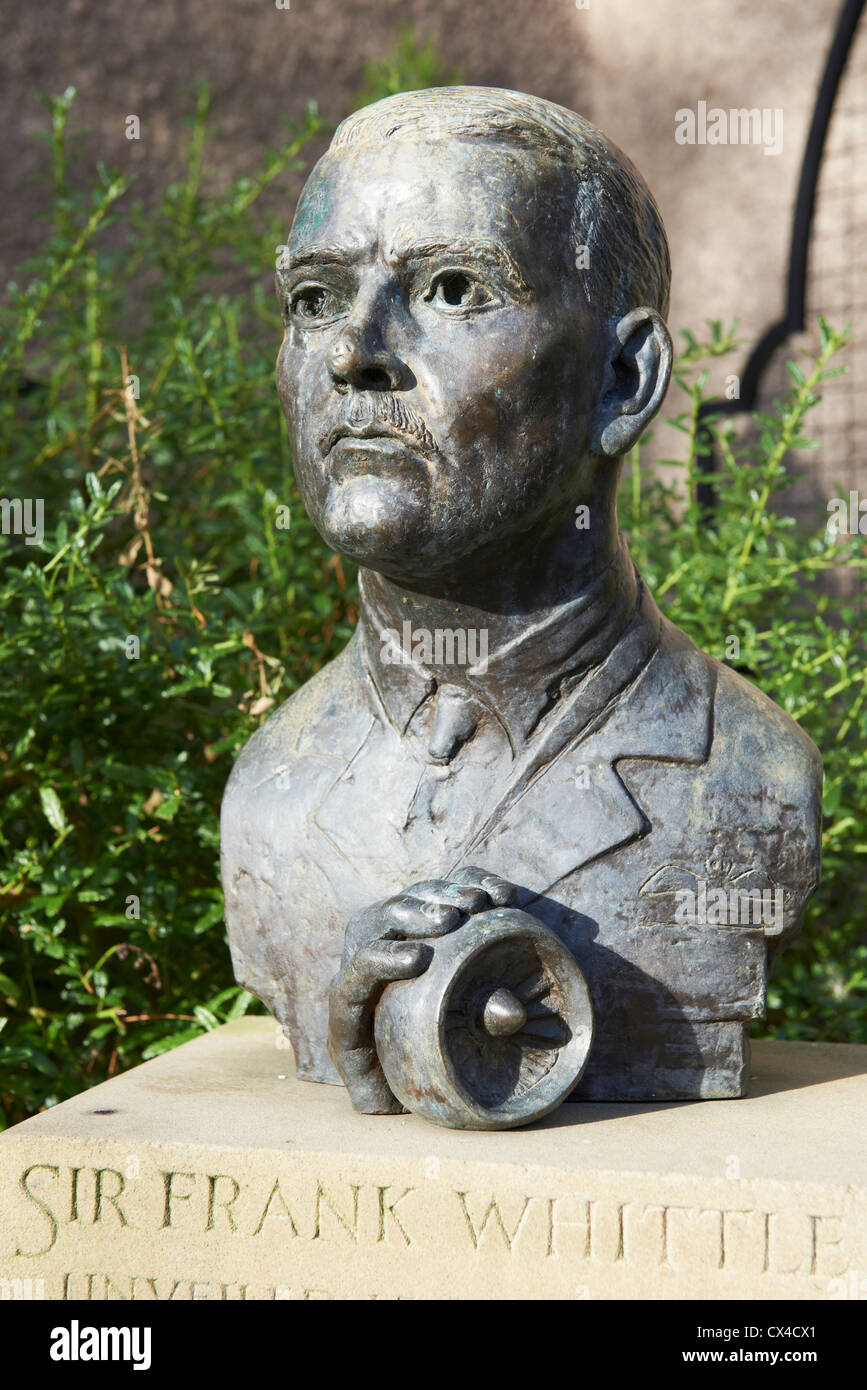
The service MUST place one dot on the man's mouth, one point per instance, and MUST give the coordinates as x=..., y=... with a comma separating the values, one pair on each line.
x=419, y=441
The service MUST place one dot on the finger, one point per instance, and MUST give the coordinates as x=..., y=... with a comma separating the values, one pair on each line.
x=375, y=1097
x=500, y=891
x=377, y=965
x=364, y=1079
x=440, y=890
x=410, y=917
x=352, y=1000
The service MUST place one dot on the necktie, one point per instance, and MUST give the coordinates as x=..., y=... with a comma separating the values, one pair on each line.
x=456, y=717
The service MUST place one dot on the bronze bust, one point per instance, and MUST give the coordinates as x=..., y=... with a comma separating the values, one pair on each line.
x=474, y=294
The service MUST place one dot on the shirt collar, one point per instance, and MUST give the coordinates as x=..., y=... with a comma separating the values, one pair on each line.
x=523, y=678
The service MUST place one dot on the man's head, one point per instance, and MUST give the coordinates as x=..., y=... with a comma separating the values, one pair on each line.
x=473, y=291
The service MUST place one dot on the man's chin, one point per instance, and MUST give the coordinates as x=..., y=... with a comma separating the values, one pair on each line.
x=375, y=520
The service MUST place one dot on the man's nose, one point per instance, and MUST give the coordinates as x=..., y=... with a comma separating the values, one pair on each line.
x=359, y=358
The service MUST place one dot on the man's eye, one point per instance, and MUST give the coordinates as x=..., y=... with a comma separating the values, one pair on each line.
x=311, y=302
x=454, y=289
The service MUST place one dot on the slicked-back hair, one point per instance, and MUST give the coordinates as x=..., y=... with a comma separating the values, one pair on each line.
x=615, y=216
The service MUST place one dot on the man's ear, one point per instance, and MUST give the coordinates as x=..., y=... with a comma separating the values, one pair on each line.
x=636, y=381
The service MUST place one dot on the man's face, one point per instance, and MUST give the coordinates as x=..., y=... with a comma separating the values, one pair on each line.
x=440, y=360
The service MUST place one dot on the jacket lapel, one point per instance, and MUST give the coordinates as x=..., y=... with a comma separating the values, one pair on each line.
x=578, y=807
x=565, y=803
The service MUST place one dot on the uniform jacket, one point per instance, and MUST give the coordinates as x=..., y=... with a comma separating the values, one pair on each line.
x=656, y=773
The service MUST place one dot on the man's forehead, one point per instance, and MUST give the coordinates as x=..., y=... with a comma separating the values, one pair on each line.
x=406, y=194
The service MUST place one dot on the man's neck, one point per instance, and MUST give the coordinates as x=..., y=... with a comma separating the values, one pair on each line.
x=568, y=619
x=503, y=599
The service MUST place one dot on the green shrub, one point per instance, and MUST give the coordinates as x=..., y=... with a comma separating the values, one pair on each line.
x=747, y=571
x=167, y=609
x=142, y=637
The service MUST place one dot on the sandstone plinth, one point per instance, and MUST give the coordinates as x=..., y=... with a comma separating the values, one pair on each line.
x=211, y=1172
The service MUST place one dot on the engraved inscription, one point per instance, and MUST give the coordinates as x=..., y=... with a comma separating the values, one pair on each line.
x=273, y=1212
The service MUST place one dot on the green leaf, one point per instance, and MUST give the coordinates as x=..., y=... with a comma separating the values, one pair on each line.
x=795, y=373
x=52, y=810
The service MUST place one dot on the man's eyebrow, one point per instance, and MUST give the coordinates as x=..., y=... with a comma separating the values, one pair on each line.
x=489, y=253
x=320, y=253
x=485, y=252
